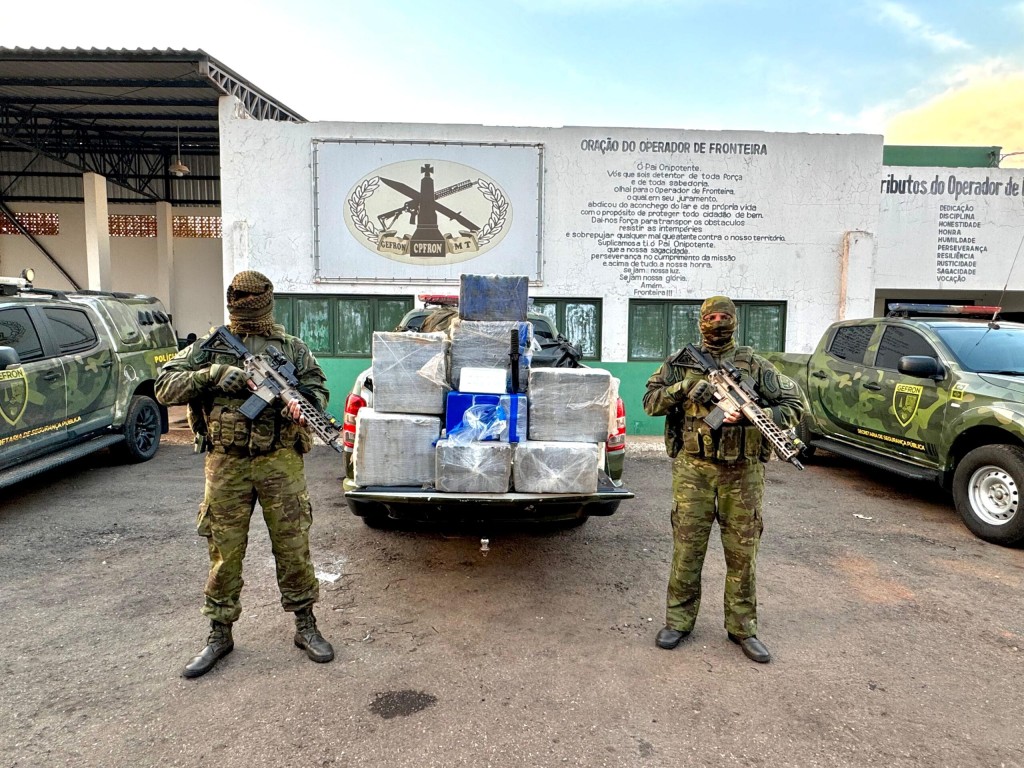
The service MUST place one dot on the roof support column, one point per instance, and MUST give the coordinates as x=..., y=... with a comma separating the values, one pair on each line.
x=97, y=233
x=165, y=255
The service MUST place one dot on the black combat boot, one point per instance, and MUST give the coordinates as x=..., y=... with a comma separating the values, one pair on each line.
x=752, y=648
x=218, y=645
x=308, y=637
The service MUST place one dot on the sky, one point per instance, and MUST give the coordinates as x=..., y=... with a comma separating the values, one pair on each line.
x=934, y=72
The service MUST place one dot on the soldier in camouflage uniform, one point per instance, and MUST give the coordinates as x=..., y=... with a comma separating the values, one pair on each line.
x=717, y=474
x=250, y=461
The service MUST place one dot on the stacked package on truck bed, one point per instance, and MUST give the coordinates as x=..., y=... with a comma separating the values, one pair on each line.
x=541, y=466
x=487, y=344
x=409, y=372
x=394, y=448
x=474, y=467
x=570, y=404
x=493, y=297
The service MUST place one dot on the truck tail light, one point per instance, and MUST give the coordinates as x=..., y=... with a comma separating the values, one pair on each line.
x=617, y=440
x=348, y=429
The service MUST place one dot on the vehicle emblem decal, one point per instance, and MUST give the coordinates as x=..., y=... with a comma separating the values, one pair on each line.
x=957, y=392
x=905, y=401
x=13, y=395
x=396, y=211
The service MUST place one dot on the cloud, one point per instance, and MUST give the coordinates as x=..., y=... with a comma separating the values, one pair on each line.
x=981, y=109
x=912, y=24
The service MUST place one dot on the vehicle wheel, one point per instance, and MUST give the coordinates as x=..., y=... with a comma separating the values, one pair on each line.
x=141, y=429
x=803, y=431
x=987, y=488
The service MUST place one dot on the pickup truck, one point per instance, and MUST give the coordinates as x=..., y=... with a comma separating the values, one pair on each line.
x=76, y=376
x=380, y=507
x=931, y=392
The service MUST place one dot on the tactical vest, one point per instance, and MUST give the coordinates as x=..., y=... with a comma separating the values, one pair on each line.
x=686, y=430
x=228, y=430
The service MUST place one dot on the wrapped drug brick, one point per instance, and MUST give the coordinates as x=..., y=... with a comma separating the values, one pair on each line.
x=473, y=467
x=541, y=466
x=394, y=448
x=483, y=344
x=409, y=372
x=570, y=404
x=493, y=297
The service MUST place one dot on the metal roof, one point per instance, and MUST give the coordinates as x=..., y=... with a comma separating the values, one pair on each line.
x=119, y=113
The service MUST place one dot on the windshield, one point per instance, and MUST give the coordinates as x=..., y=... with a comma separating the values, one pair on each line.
x=981, y=349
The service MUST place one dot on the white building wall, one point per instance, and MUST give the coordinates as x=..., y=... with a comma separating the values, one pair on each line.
x=802, y=194
x=133, y=260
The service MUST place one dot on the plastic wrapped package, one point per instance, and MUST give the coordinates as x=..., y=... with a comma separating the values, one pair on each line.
x=394, y=448
x=551, y=467
x=482, y=344
x=472, y=416
x=473, y=467
x=570, y=404
x=405, y=367
x=493, y=297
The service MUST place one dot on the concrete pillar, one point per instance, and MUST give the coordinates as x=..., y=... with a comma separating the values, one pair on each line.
x=165, y=255
x=97, y=233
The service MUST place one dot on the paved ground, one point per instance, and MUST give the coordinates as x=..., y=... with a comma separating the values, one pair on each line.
x=898, y=636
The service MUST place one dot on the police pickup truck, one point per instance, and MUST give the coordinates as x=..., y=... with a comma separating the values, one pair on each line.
x=76, y=376
x=932, y=392
x=381, y=506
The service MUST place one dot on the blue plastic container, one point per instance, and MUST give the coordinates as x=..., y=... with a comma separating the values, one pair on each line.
x=510, y=408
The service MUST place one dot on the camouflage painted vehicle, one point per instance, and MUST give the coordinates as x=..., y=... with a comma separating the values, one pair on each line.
x=938, y=397
x=76, y=375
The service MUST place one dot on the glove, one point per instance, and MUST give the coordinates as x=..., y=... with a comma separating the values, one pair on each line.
x=228, y=378
x=702, y=392
x=681, y=389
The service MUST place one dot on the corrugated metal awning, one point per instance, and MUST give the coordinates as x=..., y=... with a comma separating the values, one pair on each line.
x=120, y=113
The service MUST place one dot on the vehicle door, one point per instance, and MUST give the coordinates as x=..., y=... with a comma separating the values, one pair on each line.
x=33, y=395
x=89, y=366
x=904, y=416
x=835, y=381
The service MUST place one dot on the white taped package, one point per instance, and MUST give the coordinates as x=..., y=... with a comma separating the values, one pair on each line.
x=394, y=448
x=541, y=466
x=405, y=372
x=473, y=467
x=570, y=404
x=487, y=344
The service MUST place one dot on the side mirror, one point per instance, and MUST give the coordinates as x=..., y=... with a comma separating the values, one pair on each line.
x=8, y=358
x=921, y=367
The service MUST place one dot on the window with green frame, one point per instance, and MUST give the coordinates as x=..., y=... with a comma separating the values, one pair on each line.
x=658, y=328
x=340, y=326
x=579, y=320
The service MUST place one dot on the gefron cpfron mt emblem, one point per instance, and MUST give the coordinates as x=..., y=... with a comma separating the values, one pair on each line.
x=905, y=401
x=13, y=394
x=428, y=212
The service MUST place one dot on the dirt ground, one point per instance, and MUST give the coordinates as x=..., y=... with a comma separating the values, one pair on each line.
x=898, y=637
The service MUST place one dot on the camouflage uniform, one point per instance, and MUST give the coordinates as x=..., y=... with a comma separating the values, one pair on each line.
x=717, y=474
x=249, y=461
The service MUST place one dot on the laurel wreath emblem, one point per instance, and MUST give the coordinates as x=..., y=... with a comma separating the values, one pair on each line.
x=364, y=190
x=357, y=207
x=499, y=211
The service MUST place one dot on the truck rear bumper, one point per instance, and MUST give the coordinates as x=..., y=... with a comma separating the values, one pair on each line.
x=414, y=503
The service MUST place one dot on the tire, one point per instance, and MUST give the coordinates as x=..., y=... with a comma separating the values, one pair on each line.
x=804, y=433
x=987, y=488
x=142, y=428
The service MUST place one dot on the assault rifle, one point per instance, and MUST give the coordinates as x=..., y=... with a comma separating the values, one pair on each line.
x=273, y=376
x=732, y=394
